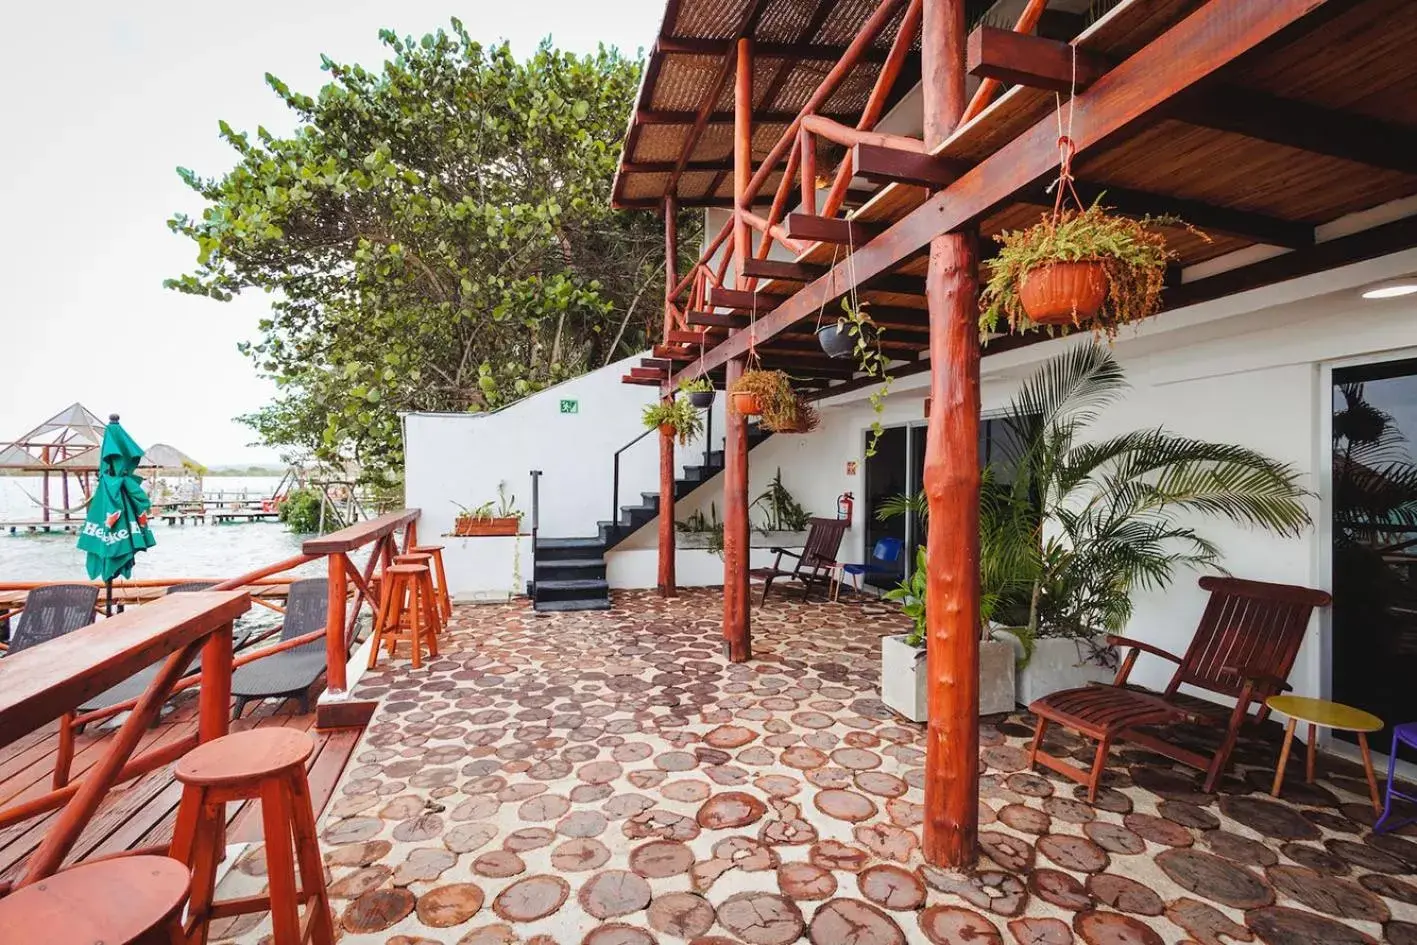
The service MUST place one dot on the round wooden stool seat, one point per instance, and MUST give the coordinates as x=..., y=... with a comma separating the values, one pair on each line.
x=409, y=569
x=414, y=557
x=128, y=900
x=245, y=757
x=425, y=549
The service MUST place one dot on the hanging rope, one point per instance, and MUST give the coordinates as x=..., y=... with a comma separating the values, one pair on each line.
x=1067, y=149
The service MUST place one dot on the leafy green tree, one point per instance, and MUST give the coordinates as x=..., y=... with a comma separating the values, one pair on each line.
x=435, y=235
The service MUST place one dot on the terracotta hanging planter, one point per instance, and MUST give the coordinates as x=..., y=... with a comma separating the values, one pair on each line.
x=1064, y=293
x=746, y=403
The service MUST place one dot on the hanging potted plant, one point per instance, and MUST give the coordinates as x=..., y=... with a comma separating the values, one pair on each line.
x=835, y=340
x=767, y=394
x=699, y=391
x=865, y=337
x=675, y=417
x=807, y=418
x=1077, y=267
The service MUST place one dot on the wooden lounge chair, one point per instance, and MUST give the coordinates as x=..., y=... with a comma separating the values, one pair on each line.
x=1243, y=650
x=289, y=673
x=815, y=563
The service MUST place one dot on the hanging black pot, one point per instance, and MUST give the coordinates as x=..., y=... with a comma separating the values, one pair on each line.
x=701, y=398
x=835, y=342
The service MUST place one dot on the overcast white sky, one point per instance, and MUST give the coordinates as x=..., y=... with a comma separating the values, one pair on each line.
x=102, y=101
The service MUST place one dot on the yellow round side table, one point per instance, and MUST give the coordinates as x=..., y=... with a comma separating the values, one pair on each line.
x=1334, y=715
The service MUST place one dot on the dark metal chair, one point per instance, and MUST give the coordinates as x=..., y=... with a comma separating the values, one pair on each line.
x=815, y=563
x=1243, y=650
x=52, y=611
x=289, y=673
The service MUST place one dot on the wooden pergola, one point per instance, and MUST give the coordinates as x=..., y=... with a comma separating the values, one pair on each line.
x=1258, y=121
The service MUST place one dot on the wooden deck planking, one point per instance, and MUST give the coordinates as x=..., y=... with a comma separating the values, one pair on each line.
x=142, y=812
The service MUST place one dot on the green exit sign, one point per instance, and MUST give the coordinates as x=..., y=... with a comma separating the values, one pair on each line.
x=570, y=406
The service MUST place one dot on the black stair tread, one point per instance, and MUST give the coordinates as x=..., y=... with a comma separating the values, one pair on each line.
x=551, y=544
x=564, y=605
x=572, y=584
x=570, y=562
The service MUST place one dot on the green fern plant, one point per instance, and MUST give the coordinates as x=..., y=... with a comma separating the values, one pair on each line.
x=676, y=413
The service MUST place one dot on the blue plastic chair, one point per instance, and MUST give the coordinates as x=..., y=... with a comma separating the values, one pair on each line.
x=1404, y=734
x=886, y=551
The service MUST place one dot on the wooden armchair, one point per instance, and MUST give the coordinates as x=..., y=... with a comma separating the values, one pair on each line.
x=815, y=563
x=1242, y=650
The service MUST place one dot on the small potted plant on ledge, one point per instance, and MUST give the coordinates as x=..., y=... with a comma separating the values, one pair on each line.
x=677, y=417
x=1079, y=268
x=499, y=517
x=699, y=391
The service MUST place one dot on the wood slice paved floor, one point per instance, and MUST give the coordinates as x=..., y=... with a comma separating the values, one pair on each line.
x=606, y=778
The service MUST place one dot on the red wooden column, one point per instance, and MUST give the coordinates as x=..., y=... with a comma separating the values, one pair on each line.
x=736, y=604
x=666, y=512
x=742, y=156
x=666, y=440
x=671, y=261
x=337, y=593
x=951, y=823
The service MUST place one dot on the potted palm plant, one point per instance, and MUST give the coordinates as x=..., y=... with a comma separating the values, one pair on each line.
x=1071, y=527
x=675, y=417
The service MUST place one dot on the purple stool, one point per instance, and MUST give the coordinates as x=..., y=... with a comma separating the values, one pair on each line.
x=1404, y=734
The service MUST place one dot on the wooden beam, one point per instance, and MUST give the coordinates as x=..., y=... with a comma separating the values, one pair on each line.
x=849, y=137
x=690, y=338
x=673, y=354
x=659, y=364
x=1312, y=128
x=1022, y=59
x=667, y=167
x=783, y=271
x=742, y=155
x=743, y=299
x=716, y=319
x=1259, y=227
x=1209, y=39
x=667, y=582
x=816, y=52
x=642, y=381
x=892, y=165
x=667, y=117
x=651, y=374
x=671, y=262
x=830, y=230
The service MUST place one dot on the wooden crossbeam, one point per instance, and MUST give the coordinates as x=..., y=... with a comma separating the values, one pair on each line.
x=656, y=116
x=1327, y=131
x=649, y=374
x=658, y=364
x=893, y=165
x=830, y=230
x=1178, y=60
x=1259, y=227
x=679, y=337
x=783, y=271
x=763, y=301
x=716, y=319
x=642, y=381
x=1048, y=64
x=666, y=167
x=673, y=354
x=1024, y=59
x=819, y=52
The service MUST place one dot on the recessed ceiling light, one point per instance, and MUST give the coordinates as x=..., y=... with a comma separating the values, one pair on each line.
x=1391, y=290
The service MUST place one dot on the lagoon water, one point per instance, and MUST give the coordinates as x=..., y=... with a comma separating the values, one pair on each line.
x=194, y=551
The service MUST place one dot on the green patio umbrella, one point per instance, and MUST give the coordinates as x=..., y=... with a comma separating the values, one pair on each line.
x=116, y=527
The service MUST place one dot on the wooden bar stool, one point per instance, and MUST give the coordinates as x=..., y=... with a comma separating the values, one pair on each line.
x=441, y=576
x=404, y=610
x=128, y=900
x=428, y=590
x=266, y=764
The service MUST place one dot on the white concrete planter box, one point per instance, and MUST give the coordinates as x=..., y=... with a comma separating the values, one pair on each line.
x=755, y=539
x=903, y=678
x=1057, y=664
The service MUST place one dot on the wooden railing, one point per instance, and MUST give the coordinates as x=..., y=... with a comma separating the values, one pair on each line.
x=46, y=682
x=797, y=147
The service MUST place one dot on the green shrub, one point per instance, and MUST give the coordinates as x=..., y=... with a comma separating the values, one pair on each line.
x=301, y=510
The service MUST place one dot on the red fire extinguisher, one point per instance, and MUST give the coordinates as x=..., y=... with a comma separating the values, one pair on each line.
x=844, y=504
